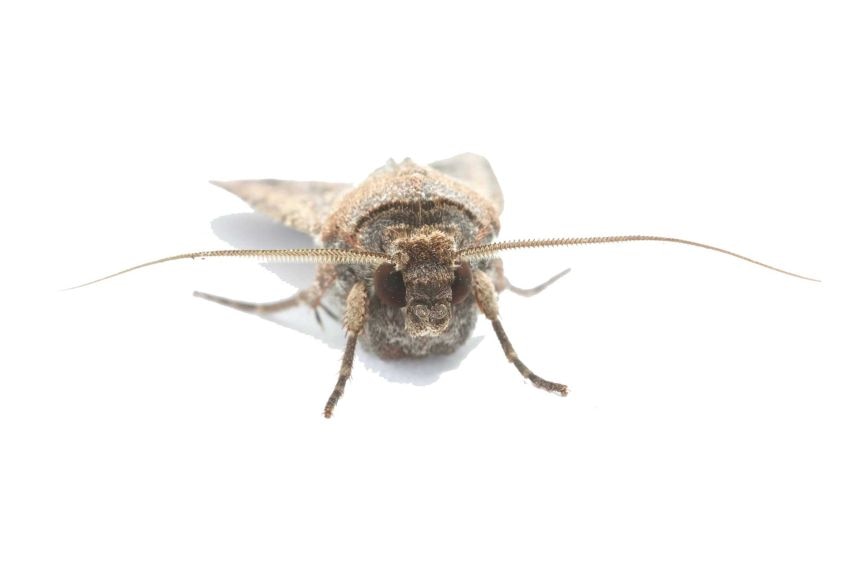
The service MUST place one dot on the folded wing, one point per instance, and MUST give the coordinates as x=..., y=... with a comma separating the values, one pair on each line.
x=476, y=172
x=302, y=205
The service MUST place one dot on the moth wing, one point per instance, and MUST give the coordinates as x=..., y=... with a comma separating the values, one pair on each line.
x=302, y=205
x=476, y=172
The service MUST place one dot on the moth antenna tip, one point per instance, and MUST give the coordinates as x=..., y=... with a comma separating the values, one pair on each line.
x=487, y=251
x=318, y=255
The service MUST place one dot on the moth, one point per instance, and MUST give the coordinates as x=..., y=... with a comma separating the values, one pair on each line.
x=407, y=258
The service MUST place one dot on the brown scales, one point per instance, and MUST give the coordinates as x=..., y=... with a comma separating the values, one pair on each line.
x=406, y=257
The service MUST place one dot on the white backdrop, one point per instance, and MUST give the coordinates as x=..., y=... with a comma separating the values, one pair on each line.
x=711, y=421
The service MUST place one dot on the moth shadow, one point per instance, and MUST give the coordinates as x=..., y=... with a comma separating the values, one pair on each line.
x=252, y=231
x=419, y=371
x=249, y=230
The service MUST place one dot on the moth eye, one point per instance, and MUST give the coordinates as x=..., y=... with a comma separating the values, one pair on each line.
x=461, y=282
x=390, y=286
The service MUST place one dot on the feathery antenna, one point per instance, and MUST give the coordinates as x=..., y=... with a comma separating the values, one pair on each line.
x=317, y=255
x=475, y=253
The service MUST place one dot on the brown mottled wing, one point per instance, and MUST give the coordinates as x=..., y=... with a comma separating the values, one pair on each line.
x=302, y=205
x=476, y=172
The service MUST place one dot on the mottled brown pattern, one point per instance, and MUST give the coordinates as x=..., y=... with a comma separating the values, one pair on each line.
x=424, y=237
x=303, y=205
x=409, y=187
x=418, y=217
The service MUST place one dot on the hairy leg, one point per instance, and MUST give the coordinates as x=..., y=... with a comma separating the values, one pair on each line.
x=484, y=293
x=353, y=322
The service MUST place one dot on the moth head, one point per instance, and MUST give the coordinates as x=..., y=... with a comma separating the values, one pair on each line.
x=425, y=280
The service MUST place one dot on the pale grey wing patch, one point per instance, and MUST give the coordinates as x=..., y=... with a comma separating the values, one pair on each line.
x=302, y=205
x=476, y=172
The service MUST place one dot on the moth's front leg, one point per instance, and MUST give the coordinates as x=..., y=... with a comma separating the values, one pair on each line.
x=487, y=301
x=353, y=321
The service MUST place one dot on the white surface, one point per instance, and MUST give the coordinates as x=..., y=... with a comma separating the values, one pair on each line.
x=712, y=417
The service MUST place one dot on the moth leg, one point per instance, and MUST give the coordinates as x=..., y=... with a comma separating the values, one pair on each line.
x=536, y=289
x=353, y=321
x=311, y=296
x=484, y=293
x=267, y=307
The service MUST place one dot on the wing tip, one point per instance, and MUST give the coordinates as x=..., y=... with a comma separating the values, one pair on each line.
x=225, y=184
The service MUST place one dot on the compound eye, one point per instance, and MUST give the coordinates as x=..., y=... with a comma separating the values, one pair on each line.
x=390, y=286
x=461, y=282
